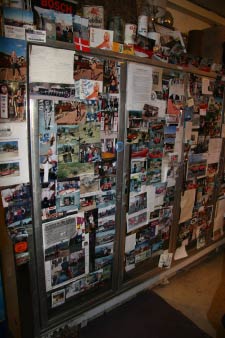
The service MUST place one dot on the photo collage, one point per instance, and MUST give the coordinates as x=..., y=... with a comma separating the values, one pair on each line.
x=77, y=152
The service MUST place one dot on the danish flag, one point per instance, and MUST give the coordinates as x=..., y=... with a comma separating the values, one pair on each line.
x=81, y=44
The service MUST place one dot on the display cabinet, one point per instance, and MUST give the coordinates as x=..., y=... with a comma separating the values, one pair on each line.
x=125, y=173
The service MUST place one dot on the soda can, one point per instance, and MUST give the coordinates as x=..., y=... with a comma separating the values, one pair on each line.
x=95, y=15
x=143, y=25
x=130, y=33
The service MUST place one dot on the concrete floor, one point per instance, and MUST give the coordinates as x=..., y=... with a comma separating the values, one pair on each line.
x=199, y=293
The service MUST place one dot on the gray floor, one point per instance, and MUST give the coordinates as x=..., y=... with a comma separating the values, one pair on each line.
x=199, y=293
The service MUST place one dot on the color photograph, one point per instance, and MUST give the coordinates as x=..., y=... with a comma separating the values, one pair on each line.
x=13, y=59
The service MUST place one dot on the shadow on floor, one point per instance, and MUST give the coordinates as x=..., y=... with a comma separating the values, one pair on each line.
x=217, y=307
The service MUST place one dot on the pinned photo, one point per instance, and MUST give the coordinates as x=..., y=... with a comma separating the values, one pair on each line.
x=13, y=61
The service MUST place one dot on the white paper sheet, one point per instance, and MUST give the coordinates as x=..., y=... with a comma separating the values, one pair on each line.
x=187, y=204
x=130, y=243
x=214, y=150
x=219, y=219
x=51, y=65
x=139, y=85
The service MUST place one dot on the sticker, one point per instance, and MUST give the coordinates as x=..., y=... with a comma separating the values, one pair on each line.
x=20, y=247
x=119, y=146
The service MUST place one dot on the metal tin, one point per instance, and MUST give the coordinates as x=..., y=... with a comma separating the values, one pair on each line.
x=95, y=15
x=130, y=33
x=116, y=24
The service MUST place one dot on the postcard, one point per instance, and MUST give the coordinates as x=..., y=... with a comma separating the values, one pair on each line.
x=12, y=101
x=58, y=298
x=13, y=62
x=88, y=89
x=135, y=222
x=18, y=17
x=45, y=19
x=87, y=203
x=89, y=185
x=106, y=223
x=88, y=68
x=76, y=287
x=100, y=38
x=64, y=27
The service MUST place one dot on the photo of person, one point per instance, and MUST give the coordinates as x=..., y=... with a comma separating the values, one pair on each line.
x=100, y=38
x=88, y=68
x=106, y=44
x=13, y=59
x=95, y=92
x=64, y=27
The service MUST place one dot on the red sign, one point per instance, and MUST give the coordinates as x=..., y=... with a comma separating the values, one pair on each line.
x=56, y=5
x=20, y=247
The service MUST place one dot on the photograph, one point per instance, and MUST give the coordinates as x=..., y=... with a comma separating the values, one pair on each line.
x=70, y=112
x=137, y=203
x=9, y=169
x=106, y=223
x=104, y=237
x=135, y=222
x=48, y=193
x=89, y=152
x=104, y=250
x=47, y=124
x=76, y=287
x=89, y=185
x=80, y=28
x=58, y=298
x=103, y=261
x=100, y=38
x=64, y=269
x=64, y=27
x=111, y=77
x=15, y=193
x=12, y=101
x=88, y=68
x=108, y=183
x=42, y=90
x=57, y=250
x=8, y=150
x=108, y=148
x=105, y=212
x=17, y=212
x=13, y=59
x=17, y=17
x=91, y=220
x=45, y=20
x=69, y=170
x=106, y=199
x=88, y=89
x=68, y=202
x=87, y=203
x=65, y=187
